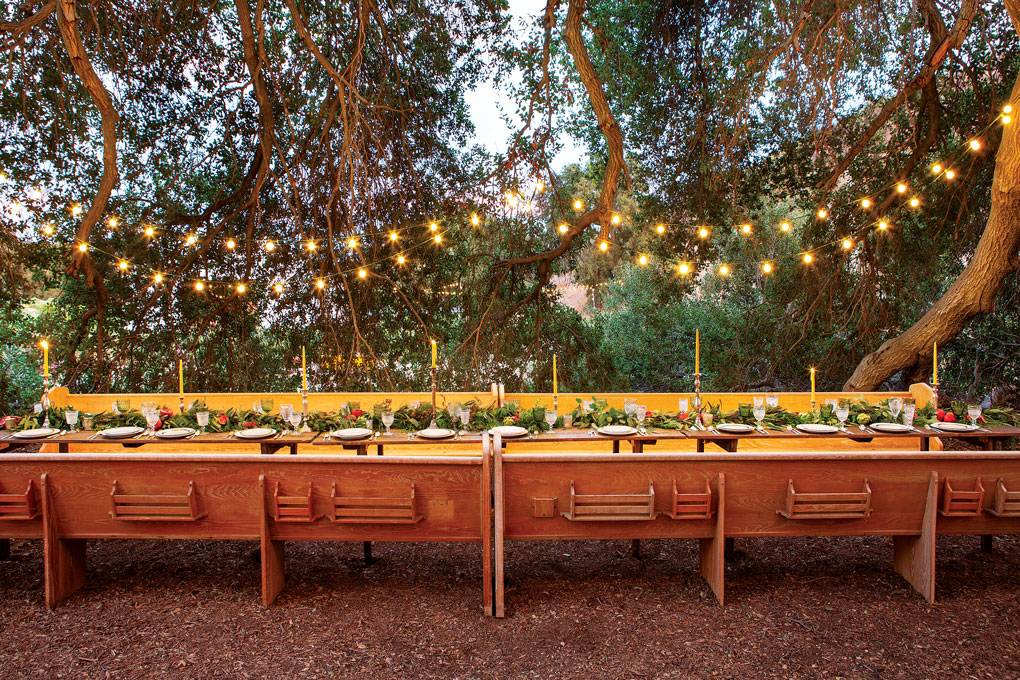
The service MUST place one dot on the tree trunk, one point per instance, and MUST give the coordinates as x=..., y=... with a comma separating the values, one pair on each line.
x=975, y=290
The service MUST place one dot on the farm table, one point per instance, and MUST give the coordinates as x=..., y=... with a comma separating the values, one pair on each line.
x=267, y=446
x=990, y=438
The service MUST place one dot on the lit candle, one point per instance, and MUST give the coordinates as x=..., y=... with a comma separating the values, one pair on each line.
x=555, y=387
x=180, y=375
x=45, y=357
x=697, y=351
x=812, y=383
x=304, y=370
x=433, y=354
x=935, y=363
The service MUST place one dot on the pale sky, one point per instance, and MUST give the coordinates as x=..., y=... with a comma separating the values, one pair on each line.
x=485, y=102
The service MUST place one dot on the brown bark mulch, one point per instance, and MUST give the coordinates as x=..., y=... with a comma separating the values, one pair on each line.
x=797, y=608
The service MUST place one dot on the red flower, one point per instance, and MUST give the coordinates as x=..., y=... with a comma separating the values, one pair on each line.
x=517, y=417
x=165, y=412
x=682, y=416
x=649, y=414
x=158, y=425
x=357, y=413
x=222, y=419
x=249, y=423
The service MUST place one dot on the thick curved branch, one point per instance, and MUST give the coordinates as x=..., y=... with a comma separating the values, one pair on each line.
x=29, y=22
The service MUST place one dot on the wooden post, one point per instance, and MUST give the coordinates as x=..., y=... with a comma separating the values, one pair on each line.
x=497, y=485
x=486, y=522
x=914, y=556
x=272, y=553
x=63, y=558
x=713, y=560
x=5, y=549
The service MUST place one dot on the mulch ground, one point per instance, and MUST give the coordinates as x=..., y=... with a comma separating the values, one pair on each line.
x=797, y=608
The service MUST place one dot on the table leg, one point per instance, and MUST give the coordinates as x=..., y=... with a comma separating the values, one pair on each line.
x=62, y=447
x=293, y=449
x=378, y=449
x=987, y=543
x=701, y=445
x=925, y=444
x=637, y=447
x=616, y=446
x=367, y=545
x=5, y=549
x=635, y=548
x=264, y=449
x=363, y=451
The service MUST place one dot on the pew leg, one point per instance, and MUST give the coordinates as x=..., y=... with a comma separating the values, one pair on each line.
x=272, y=570
x=712, y=551
x=64, y=568
x=914, y=556
x=635, y=548
x=5, y=549
x=367, y=546
x=987, y=543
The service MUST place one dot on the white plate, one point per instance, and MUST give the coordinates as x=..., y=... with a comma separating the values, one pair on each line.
x=891, y=427
x=175, y=433
x=122, y=432
x=617, y=430
x=736, y=428
x=436, y=433
x=352, y=433
x=817, y=428
x=954, y=427
x=37, y=433
x=256, y=433
x=509, y=431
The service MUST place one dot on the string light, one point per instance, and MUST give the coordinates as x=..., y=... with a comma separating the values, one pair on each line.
x=320, y=284
x=616, y=219
x=1008, y=108
x=746, y=228
x=241, y=288
x=847, y=244
x=808, y=258
x=822, y=213
x=901, y=187
x=564, y=228
x=123, y=265
x=150, y=232
x=539, y=185
x=767, y=267
x=703, y=233
x=975, y=145
x=83, y=247
x=785, y=226
x=352, y=243
x=936, y=169
x=311, y=246
x=684, y=269
x=474, y=220
x=433, y=227
x=199, y=286
x=401, y=259
x=660, y=229
x=642, y=260
x=190, y=240
x=231, y=244
x=113, y=222
x=724, y=270
x=603, y=246
x=394, y=236
x=883, y=225
x=76, y=210
x=950, y=174
x=157, y=278
x=362, y=273
x=915, y=202
x=278, y=287
x=1006, y=120
x=578, y=204
x=865, y=203
x=48, y=229
x=270, y=246
x=438, y=238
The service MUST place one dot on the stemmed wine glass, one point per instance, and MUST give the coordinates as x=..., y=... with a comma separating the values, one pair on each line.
x=550, y=419
x=71, y=417
x=202, y=418
x=895, y=406
x=772, y=399
x=285, y=411
x=387, y=420
x=295, y=420
x=973, y=412
x=842, y=411
x=684, y=404
x=758, y=410
x=151, y=418
x=640, y=412
x=909, y=407
x=465, y=417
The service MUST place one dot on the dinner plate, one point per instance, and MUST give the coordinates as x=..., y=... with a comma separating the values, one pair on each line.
x=954, y=427
x=352, y=433
x=435, y=433
x=817, y=428
x=616, y=430
x=37, y=433
x=122, y=432
x=256, y=433
x=175, y=433
x=509, y=431
x=736, y=428
x=891, y=427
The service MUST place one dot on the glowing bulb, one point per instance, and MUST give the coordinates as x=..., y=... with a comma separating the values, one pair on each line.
x=190, y=240
x=157, y=277
x=807, y=258
x=660, y=229
x=883, y=225
x=767, y=267
x=438, y=238
x=48, y=229
x=578, y=204
x=123, y=265
x=241, y=288
x=914, y=202
x=352, y=243
x=311, y=246
x=270, y=246
x=643, y=260
x=616, y=219
x=901, y=187
x=539, y=185
x=746, y=228
x=865, y=203
x=564, y=228
x=975, y=145
x=822, y=213
x=603, y=246
x=401, y=259
x=34, y=193
x=199, y=286
x=474, y=220
x=936, y=169
x=44, y=344
x=434, y=227
x=950, y=174
x=149, y=231
x=724, y=270
x=1006, y=120
x=785, y=226
x=113, y=222
x=320, y=284
x=703, y=233
x=278, y=288
x=393, y=236
x=83, y=247
x=684, y=269
x=231, y=244
x=847, y=244
x=362, y=273
x=76, y=210
x=1008, y=108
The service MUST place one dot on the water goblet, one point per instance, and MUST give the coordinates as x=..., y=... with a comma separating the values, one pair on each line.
x=758, y=410
x=257, y=407
x=465, y=417
x=842, y=411
x=895, y=406
x=640, y=413
x=758, y=400
x=629, y=406
x=772, y=399
x=71, y=417
x=588, y=406
x=267, y=405
x=387, y=420
x=568, y=420
x=550, y=419
x=973, y=412
x=453, y=408
x=295, y=420
x=202, y=418
x=285, y=411
x=151, y=418
x=146, y=406
x=684, y=404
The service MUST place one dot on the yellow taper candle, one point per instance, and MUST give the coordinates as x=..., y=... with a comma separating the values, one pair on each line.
x=45, y=357
x=180, y=375
x=935, y=363
x=555, y=386
x=697, y=351
x=812, y=383
x=304, y=371
x=433, y=354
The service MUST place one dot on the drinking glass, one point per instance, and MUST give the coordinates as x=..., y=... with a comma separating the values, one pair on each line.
x=453, y=408
x=568, y=420
x=629, y=406
x=758, y=410
x=387, y=420
x=203, y=420
x=151, y=418
x=973, y=412
x=267, y=405
x=758, y=400
x=588, y=406
x=146, y=406
x=685, y=404
x=842, y=411
x=465, y=417
x=295, y=420
x=772, y=400
x=831, y=403
x=257, y=407
x=640, y=412
x=550, y=419
x=895, y=406
x=86, y=420
x=414, y=405
x=285, y=411
x=72, y=419
x=908, y=413
x=122, y=405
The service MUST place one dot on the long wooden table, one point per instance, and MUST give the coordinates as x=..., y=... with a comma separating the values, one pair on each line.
x=989, y=438
x=205, y=440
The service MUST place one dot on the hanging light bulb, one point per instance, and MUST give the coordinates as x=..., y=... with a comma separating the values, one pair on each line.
x=767, y=267
x=1008, y=108
x=746, y=228
x=847, y=244
x=394, y=236
x=684, y=269
x=352, y=243
x=936, y=169
x=190, y=240
x=950, y=174
x=616, y=219
x=822, y=213
x=113, y=222
x=785, y=226
x=362, y=273
x=642, y=260
x=199, y=286
x=311, y=246
x=915, y=202
x=539, y=185
x=578, y=204
x=231, y=244
x=320, y=284
x=564, y=228
x=48, y=229
x=603, y=246
x=270, y=246
x=865, y=203
x=76, y=210
x=474, y=220
x=401, y=259
x=438, y=238
x=83, y=247
x=724, y=270
x=901, y=187
x=150, y=232
x=660, y=229
x=123, y=265
x=703, y=233
x=808, y=258
x=975, y=145
x=883, y=225
x=278, y=287
x=157, y=278
x=1006, y=120
x=433, y=227
x=241, y=288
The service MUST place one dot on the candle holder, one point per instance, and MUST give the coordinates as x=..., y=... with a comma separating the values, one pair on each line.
x=697, y=397
x=182, y=404
x=46, y=401
x=935, y=393
x=304, y=412
x=814, y=405
x=433, y=424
